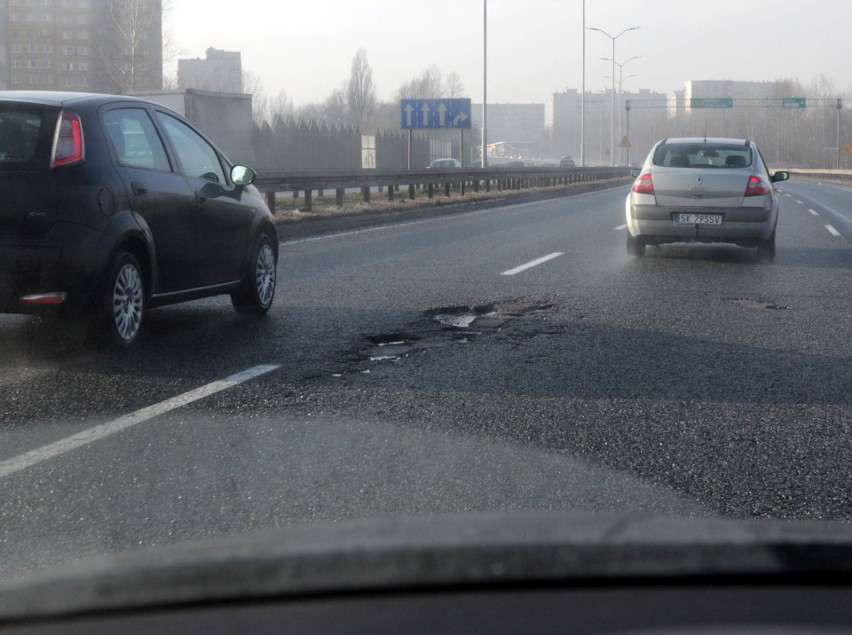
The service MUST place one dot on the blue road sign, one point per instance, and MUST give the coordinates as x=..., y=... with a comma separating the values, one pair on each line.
x=435, y=113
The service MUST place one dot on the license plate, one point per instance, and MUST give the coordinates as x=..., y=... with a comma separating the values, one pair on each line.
x=697, y=219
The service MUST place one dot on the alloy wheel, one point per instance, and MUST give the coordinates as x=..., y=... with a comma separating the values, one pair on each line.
x=127, y=302
x=265, y=275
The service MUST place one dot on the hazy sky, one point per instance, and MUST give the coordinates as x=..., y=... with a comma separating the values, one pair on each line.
x=305, y=47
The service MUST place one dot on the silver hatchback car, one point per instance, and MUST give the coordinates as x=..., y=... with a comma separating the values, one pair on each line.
x=704, y=190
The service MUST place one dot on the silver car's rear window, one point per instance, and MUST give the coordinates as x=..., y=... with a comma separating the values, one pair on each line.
x=26, y=136
x=703, y=155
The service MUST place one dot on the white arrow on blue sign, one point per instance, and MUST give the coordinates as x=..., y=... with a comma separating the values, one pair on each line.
x=435, y=113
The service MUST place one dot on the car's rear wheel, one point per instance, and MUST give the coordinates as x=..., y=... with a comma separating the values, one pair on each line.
x=257, y=290
x=635, y=246
x=122, y=305
x=766, y=248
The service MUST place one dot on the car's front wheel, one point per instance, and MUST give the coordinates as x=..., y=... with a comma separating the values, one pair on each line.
x=122, y=304
x=635, y=246
x=257, y=290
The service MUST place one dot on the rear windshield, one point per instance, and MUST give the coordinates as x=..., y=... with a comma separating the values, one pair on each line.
x=703, y=155
x=26, y=136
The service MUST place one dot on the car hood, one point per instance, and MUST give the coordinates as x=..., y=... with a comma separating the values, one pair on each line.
x=455, y=550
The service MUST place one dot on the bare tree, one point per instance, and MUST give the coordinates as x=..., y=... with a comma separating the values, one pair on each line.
x=360, y=90
x=265, y=107
x=334, y=107
x=259, y=99
x=455, y=88
x=429, y=84
x=281, y=105
x=129, y=44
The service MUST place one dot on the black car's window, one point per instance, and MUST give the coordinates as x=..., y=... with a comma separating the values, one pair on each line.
x=135, y=140
x=198, y=159
x=26, y=136
x=702, y=155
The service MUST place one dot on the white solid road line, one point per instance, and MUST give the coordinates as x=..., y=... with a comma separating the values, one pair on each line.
x=531, y=264
x=57, y=448
x=832, y=231
x=620, y=227
x=813, y=212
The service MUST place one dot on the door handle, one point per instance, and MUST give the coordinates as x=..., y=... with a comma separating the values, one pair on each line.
x=138, y=188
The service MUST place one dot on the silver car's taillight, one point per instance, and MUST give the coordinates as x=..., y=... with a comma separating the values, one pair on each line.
x=756, y=187
x=644, y=184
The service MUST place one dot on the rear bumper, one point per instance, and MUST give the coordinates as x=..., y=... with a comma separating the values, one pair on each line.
x=26, y=269
x=742, y=226
x=69, y=259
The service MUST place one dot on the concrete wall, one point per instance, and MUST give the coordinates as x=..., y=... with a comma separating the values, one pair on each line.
x=225, y=118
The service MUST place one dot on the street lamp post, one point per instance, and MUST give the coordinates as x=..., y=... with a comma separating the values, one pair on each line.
x=583, y=97
x=484, y=162
x=621, y=80
x=613, y=38
x=839, y=109
x=627, y=117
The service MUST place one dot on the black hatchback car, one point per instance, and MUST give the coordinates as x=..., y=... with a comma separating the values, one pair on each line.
x=111, y=205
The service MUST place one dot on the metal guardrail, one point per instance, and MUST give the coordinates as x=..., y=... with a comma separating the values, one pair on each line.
x=475, y=179
x=842, y=176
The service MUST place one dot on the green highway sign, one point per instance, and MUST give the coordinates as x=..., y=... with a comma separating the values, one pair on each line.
x=794, y=102
x=714, y=102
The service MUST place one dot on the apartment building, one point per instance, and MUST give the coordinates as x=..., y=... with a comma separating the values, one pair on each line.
x=81, y=45
x=220, y=71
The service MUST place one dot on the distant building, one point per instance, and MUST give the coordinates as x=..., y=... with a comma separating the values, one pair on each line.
x=87, y=45
x=221, y=71
x=519, y=128
x=677, y=105
x=562, y=120
x=564, y=123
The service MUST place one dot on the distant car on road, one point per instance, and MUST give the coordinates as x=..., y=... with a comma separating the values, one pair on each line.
x=113, y=205
x=514, y=164
x=704, y=190
x=567, y=162
x=444, y=164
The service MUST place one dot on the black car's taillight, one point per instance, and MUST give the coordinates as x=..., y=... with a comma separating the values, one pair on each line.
x=68, y=146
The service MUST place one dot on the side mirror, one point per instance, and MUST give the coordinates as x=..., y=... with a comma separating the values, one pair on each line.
x=242, y=176
x=781, y=175
x=635, y=172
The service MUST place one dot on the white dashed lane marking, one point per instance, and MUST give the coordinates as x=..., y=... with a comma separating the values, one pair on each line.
x=531, y=264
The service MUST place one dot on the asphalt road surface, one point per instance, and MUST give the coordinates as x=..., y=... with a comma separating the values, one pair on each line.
x=503, y=359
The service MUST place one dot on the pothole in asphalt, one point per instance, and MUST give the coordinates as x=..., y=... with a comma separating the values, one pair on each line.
x=445, y=327
x=486, y=316
x=394, y=349
x=758, y=305
x=455, y=321
x=388, y=347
